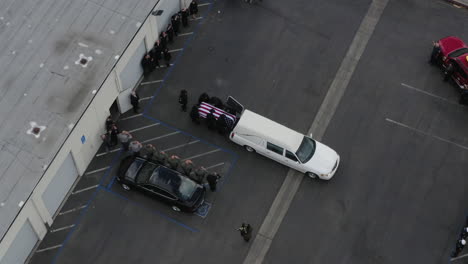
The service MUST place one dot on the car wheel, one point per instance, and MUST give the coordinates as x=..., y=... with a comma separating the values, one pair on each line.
x=249, y=148
x=175, y=208
x=312, y=175
x=126, y=187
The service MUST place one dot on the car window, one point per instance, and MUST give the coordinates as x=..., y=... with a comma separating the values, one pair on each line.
x=146, y=172
x=290, y=155
x=457, y=68
x=159, y=191
x=275, y=148
x=458, y=52
x=306, y=149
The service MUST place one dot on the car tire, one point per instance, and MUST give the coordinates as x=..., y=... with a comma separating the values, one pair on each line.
x=126, y=187
x=249, y=148
x=175, y=208
x=312, y=175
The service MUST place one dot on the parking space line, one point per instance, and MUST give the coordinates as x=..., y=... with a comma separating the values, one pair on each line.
x=105, y=153
x=214, y=166
x=145, y=127
x=62, y=228
x=202, y=154
x=145, y=83
x=130, y=117
x=98, y=170
x=164, y=66
x=197, y=18
x=163, y=136
x=204, y=4
x=86, y=189
x=185, y=34
x=49, y=248
x=146, y=98
x=428, y=93
x=175, y=50
x=459, y=257
x=425, y=133
x=72, y=210
x=181, y=145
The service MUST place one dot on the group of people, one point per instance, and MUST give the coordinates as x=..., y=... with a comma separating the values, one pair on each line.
x=113, y=136
x=160, y=51
x=222, y=124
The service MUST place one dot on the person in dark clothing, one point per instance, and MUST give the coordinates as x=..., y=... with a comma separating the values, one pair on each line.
x=114, y=131
x=448, y=72
x=211, y=120
x=221, y=124
x=216, y=102
x=174, y=162
x=198, y=175
x=187, y=167
x=170, y=33
x=107, y=141
x=184, y=17
x=135, y=101
x=175, y=23
x=435, y=54
x=161, y=158
x=109, y=123
x=194, y=115
x=204, y=97
x=212, y=179
x=458, y=247
x=183, y=99
x=156, y=56
x=148, y=64
x=193, y=9
x=163, y=39
x=167, y=57
x=246, y=231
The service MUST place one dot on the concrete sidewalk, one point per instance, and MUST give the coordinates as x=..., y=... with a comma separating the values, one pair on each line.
x=463, y=3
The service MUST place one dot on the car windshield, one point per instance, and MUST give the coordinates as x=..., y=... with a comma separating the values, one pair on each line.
x=306, y=150
x=146, y=172
x=458, y=52
x=174, y=182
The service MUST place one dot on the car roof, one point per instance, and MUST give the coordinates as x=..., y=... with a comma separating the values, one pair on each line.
x=252, y=123
x=451, y=43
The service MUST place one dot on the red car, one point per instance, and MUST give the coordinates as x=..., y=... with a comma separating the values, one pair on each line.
x=454, y=59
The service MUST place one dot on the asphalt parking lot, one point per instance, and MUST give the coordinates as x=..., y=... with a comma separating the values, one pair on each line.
x=399, y=195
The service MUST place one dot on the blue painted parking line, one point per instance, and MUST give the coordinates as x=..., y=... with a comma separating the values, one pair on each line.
x=156, y=212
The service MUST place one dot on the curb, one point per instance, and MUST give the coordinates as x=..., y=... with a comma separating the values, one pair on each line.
x=458, y=3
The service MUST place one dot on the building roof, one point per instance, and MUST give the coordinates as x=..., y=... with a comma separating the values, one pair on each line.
x=40, y=82
x=252, y=123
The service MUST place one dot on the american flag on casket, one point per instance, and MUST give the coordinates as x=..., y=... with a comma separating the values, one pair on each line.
x=205, y=109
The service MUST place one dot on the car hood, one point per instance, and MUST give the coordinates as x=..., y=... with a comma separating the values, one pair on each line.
x=323, y=160
x=450, y=44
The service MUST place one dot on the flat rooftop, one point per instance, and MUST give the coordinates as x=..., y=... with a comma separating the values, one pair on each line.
x=43, y=83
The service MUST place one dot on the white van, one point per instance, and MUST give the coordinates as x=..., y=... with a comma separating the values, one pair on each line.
x=284, y=145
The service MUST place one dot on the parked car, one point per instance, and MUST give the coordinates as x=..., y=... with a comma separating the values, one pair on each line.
x=284, y=145
x=161, y=182
x=454, y=52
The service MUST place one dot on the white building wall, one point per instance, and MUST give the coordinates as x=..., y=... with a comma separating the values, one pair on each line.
x=91, y=125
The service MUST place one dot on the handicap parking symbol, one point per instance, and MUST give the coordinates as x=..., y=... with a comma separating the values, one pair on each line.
x=203, y=209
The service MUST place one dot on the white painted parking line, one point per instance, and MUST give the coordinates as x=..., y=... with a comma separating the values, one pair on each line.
x=72, y=210
x=163, y=136
x=430, y=94
x=459, y=257
x=197, y=18
x=145, y=127
x=49, y=248
x=86, y=189
x=204, y=4
x=145, y=83
x=214, y=166
x=105, y=153
x=98, y=170
x=203, y=154
x=182, y=145
x=185, y=34
x=130, y=117
x=164, y=66
x=175, y=50
x=425, y=133
x=62, y=228
x=146, y=98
